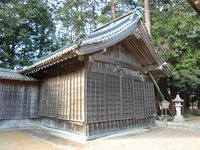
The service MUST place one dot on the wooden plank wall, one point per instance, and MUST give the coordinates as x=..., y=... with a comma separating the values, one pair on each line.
x=62, y=97
x=119, y=52
x=18, y=100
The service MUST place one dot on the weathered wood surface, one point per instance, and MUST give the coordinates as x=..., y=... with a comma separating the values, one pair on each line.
x=91, y=95
x=18, y=99
x=62, y=97
x=118, y=97
x=114, y=97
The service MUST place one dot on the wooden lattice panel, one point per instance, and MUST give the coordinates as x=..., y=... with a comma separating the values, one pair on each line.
x=149, y=99
x=128, y=98
x=112, y=96
x=96, y=105
x=139, y=98
x=18, y=100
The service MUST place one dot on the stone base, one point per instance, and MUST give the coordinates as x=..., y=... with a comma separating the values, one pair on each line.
x=18, y=123
x=178, y=119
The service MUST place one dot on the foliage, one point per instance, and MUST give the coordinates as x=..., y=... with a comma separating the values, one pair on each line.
x=77, y=16
x=113, y=9
x=80, y=16
x=176, y=32
x=26, y=32
x=191, y=113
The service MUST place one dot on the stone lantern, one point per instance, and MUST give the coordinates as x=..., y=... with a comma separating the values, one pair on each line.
x=178, y=117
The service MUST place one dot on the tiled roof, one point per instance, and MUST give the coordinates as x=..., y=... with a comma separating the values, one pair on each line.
x=120, y=29
x=111, y=33
x=114, y=27
x=14, y=75
x=104, y=33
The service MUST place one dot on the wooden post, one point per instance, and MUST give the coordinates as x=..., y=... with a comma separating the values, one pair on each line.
x=1, y=98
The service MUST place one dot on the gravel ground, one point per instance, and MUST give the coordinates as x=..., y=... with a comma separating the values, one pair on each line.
x=153, y=139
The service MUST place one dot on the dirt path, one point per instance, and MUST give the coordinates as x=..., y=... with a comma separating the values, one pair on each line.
x=195, y=120
x=154, y=139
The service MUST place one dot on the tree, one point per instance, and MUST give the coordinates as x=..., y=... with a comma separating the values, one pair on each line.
x=77, y=16
x=176, y=32
x=26, y=32
x=113, y=9
x=147, y=15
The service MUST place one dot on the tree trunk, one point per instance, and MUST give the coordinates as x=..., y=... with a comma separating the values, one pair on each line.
x=186, y=103
x=198, y=105
x=147, y=16
x=113, y=9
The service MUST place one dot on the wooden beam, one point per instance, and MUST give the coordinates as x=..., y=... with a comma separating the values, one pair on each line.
x=110, y=60
x=153, y=68
x=83, y=58
x=136, y=67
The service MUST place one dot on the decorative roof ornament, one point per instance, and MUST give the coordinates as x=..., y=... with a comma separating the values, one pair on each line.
x=78, y=40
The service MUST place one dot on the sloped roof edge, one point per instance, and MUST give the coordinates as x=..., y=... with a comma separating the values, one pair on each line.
x=103, y=37
x=14, y=75
x=104, y=33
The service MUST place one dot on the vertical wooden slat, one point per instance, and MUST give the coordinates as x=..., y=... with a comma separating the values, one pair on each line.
x=15, y=101
x=1, y=97
x=77, y=95
x=41, y=100
x=65, y=97
x=27, y=102
x=80, y=102
x=84, y=95
x=21, y=100
x=80, y=99
x=73, y=96
x=121, y=100
x=55, y=115
x=70, y=97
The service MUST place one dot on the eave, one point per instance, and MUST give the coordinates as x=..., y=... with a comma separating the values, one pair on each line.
x=127, y=30
x=15, y=75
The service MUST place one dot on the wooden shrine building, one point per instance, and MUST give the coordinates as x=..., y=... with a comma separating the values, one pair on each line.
x=98, y=85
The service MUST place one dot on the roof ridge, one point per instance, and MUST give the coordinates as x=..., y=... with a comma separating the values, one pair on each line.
x=8, y=70
x=124, y=15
